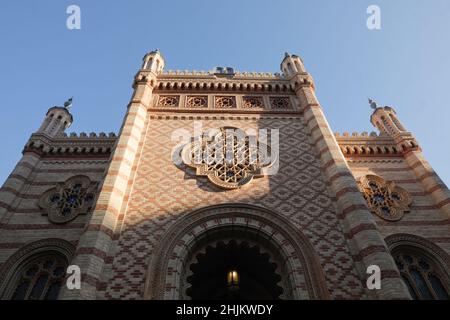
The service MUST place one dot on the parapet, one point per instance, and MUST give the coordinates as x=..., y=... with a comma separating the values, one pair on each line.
x=72, y=145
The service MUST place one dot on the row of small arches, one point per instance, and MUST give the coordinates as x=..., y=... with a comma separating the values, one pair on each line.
x=378, y=149
x=224, y=86
x=69, y=150
x=91, y=135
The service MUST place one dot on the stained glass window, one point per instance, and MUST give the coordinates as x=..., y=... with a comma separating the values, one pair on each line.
x=40, y=279
x=65, y=202
x=421, y=276
x=384, y=198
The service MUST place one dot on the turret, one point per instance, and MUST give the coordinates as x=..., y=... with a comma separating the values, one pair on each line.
x=386, y=120
x=154, y=62
x=57, y=120
x=292, y=65
x=294, y=70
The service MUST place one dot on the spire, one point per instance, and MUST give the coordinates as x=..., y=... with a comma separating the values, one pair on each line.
x=68, y=104
x=373, y=104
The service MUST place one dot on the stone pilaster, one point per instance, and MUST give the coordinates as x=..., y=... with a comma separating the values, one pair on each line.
x=15, y=183
x=95, y=243
x=431, y=182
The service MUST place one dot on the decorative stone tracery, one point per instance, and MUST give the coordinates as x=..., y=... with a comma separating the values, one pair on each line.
x=247, y=103
x=228, y=157
x=197, y=102
x=423, y=265
x=250, y=102
x=67, y=200
x=169, y=101
x=225, y=102
x=280, y=103
x=41, y=279
x=384, y=198
x=34, y=271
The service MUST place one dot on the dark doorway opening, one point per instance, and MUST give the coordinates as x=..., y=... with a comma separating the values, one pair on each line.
x=234, y=271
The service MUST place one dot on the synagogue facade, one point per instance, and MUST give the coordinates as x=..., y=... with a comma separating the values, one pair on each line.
x=224, y=185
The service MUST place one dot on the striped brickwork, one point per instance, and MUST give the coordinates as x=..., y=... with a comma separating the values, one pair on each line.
x=430, y=181
x=22, y=220
x=96, y=240
x=163, y=194
x=427, y=218
x=311, y=208
x=364, y=239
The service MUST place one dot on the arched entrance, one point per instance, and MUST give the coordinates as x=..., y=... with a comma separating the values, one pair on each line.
x=234, y=251
x=236, y=267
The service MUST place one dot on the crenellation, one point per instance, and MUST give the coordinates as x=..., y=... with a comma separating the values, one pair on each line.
x=364, y=134
x=212, y=74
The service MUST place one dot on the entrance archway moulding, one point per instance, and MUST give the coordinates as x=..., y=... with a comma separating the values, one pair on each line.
x=169, y=259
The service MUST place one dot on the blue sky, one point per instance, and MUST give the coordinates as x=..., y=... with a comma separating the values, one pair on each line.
x=405, y=65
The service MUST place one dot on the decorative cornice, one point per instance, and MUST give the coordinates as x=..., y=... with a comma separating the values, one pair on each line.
x=213, y=74
x=210, y=81
x=224, y=85
x=375, y=160
x=92, y=135
x=160, y=115
x=363, y=135
x=73, y=145
x=373, y=144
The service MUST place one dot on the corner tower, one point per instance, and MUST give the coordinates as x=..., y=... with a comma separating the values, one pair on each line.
x=386, y=120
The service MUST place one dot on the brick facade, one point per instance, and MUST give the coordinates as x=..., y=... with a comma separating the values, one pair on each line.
x=150, y=213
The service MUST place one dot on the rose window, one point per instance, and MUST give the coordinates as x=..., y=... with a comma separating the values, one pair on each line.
x=384, y=198
x=228, y=157
x=65, y=202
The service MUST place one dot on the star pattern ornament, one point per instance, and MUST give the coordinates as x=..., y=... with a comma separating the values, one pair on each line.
x=228, y=157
